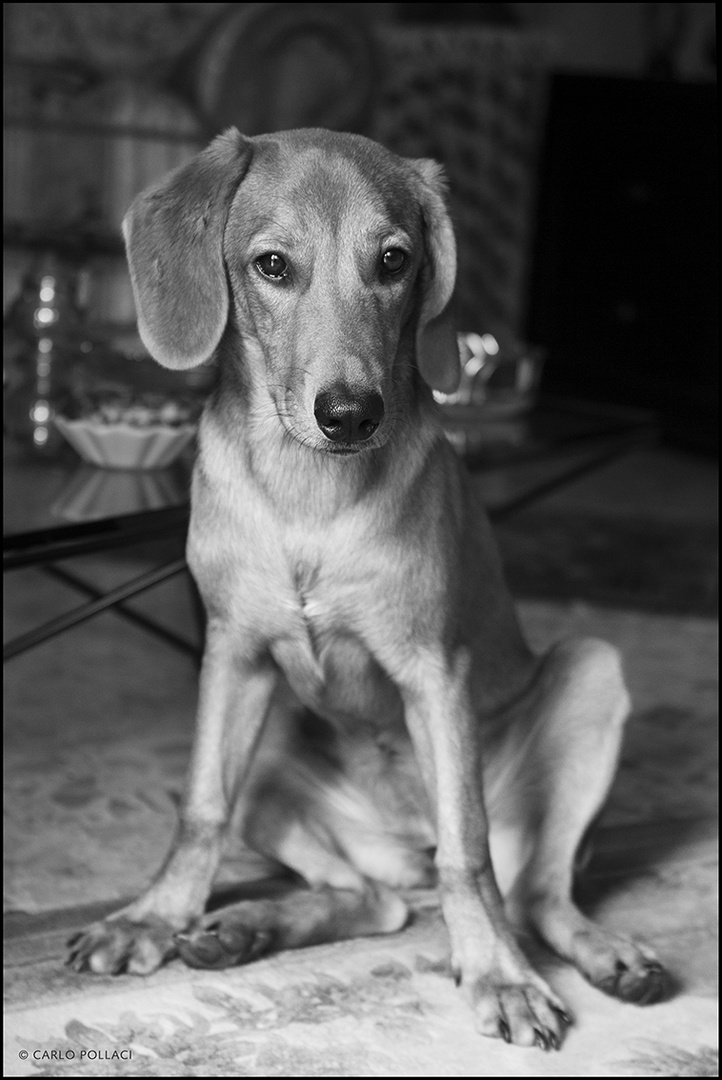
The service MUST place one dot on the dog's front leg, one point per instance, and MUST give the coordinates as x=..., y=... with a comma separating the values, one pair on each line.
x=233, y=701
x=509, y=999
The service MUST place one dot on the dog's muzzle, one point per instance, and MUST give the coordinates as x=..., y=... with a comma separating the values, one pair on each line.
x=348, y=417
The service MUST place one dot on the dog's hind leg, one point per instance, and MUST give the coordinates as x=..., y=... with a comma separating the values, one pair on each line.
x=305, y=814
x=569, y=747
x=247, y=930
x=339, y=904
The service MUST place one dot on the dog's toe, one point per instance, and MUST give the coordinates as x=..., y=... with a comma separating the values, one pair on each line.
x=119, y=946
x=620, y=967
x=642, y=984
x=222, y=945
x=525, y=1014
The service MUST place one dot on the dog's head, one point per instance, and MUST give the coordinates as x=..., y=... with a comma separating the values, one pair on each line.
x=330, y=258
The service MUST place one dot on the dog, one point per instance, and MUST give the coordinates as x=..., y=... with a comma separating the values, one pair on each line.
x=369, y=710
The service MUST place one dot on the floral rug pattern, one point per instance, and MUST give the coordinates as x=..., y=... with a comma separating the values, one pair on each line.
x=91, y=803
x=376, y=1008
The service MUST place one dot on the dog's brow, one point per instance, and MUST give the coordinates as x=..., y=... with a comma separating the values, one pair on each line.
x=385, y=231
x=274, y=232
x=381, y=230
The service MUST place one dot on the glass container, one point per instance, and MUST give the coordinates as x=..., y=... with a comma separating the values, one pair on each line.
x=43, y=336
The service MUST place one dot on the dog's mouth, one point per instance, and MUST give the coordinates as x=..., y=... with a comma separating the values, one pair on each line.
x=347, y=449
x=315, y=441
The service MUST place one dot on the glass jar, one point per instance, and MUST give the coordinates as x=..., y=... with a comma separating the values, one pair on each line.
x=43, y=336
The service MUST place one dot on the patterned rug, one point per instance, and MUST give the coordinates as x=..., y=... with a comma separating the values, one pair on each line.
x=96, y=747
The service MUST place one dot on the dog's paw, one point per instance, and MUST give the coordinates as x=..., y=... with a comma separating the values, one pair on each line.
x=119, y=946
x=222, y=944
x=620, y=967
x=523, y=1013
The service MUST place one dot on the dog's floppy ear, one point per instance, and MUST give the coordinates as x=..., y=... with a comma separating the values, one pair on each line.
x=174, y=240
x=437, y=350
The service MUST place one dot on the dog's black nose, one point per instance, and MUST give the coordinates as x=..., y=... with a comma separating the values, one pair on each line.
x=345, y=416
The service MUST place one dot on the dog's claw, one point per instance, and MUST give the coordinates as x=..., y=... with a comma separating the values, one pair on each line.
x=504, y=1031
x=541, y=1039
x=201, y=949
x=658, y=982
x=220, y=946
x=653, y=988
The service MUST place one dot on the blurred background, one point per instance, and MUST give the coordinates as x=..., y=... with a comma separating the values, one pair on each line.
x=579, y=139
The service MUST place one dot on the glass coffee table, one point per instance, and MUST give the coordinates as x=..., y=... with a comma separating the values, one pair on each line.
x=59, y=510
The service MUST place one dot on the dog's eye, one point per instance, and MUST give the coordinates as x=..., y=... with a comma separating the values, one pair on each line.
x=272, y=265
x=393, y=261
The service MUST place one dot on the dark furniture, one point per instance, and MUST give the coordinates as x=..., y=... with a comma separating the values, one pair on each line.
x=60, y=510
x=624, y=290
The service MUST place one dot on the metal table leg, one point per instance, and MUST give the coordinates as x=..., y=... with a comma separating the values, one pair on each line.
x=102, y=603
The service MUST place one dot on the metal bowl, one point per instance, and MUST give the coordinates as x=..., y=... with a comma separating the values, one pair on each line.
x=498, y=379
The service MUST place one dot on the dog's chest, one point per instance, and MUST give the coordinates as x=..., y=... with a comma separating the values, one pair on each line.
x=312, y=593
x=314, y=629
x=323, y=655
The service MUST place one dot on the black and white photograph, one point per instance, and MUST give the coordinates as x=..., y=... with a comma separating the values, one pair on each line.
x=360, y=471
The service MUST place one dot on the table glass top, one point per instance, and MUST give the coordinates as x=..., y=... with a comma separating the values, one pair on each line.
x=49, y=493
x=63, y=490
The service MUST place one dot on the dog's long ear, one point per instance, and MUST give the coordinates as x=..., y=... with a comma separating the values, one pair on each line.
x=437, y=351
x=174, y=237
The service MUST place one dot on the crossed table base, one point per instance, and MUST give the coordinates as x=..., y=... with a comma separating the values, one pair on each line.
x=554, y=429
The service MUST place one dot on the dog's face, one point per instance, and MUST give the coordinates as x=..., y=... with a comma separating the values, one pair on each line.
x=339, y=259
x=323, y=262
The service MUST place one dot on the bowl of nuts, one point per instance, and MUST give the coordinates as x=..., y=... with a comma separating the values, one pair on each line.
x=133, y=422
